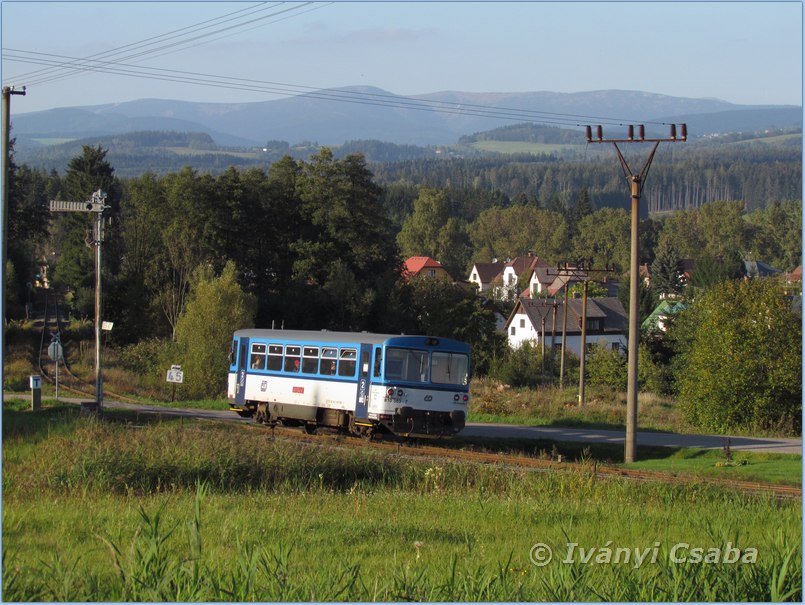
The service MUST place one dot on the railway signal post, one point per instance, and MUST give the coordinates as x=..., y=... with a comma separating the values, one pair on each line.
x=636, y=182
x=94, y=205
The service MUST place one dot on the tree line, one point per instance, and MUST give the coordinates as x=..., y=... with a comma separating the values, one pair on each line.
x=319, y=243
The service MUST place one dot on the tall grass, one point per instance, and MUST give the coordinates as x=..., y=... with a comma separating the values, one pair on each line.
x=549, y=405
x=100, y=511
x=156, y=566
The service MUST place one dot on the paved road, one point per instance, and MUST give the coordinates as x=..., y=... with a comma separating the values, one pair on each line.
x=584, y=435
x=510, y=431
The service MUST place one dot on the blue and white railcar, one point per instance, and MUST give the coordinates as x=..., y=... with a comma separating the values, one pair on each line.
x=354, y=381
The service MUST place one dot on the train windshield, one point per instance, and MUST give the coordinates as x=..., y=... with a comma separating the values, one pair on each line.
x=407, y=364
x=450, y=368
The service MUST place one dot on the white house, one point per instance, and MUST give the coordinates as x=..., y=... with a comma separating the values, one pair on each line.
x=515, y=268
x=484, y=275
x=535, y=319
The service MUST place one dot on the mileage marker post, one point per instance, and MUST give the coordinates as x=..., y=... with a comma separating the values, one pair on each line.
x=94, y=205
x=636, y=182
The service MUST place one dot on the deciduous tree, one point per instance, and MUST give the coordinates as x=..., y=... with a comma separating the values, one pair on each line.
x=741, y=359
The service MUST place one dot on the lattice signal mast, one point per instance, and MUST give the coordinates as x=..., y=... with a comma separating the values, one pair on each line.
x=96, y=204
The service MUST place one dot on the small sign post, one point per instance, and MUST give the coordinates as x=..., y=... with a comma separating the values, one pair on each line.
x=35, y=382
x=175, y=376
x=56, y=352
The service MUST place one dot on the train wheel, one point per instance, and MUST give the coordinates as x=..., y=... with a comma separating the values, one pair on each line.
x=310, y=428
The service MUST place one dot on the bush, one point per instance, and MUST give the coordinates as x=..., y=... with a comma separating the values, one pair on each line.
x=217, y=307
x=520, y=367
x=606, y=367
x=741, y=365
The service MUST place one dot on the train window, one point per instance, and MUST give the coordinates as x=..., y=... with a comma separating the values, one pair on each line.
x=275, y=358
x=407, y=364
x=348, y=363
x=310, y=360
x=329, y=360
x=365, y=364
x=233, y=353
x=378, y=361
x=258, y=359
x=292, y=359
x=450, y=368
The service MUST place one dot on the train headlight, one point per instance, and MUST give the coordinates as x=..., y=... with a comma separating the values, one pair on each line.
x=456, y=397
x=390, y=392
x=399, y=392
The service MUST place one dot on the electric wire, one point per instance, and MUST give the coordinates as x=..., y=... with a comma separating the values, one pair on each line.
x=278, y=88
x=75, y=64
x=132, y=45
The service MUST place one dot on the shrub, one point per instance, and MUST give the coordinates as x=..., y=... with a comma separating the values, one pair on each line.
x=741, y=365
x=519, y=367
x=217, y=307
x=606, y=367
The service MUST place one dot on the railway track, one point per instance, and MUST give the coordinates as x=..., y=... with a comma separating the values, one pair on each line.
x=68, y=380
x=588, y=468
x=74, y=384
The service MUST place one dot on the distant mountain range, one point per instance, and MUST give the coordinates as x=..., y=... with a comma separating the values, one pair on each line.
x=331, y=117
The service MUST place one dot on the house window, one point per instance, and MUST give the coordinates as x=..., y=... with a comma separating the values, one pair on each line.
x=522, y=323
x=431, y=272
x=512, y=330
x=616, y=346
x=593, y=324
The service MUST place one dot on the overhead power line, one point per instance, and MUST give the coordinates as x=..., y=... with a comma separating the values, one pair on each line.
x=169, y=42
x=279, y=88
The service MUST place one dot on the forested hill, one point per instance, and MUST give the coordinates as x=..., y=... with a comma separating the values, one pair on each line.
x=755, y=168
x=678, y=179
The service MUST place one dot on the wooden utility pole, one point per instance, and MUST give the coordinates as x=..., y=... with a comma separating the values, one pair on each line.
x=636, y=182
x=6, y=171
x=580, y=272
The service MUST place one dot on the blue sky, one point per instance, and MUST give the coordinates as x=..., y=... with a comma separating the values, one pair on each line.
x=741, y=52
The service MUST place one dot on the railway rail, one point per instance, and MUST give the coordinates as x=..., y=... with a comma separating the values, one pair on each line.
x=445, y=452
x=590, y=468
x=52, y=324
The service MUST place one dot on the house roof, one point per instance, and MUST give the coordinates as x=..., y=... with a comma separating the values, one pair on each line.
x=795, y=275
x=487, y=272
x=664, y=309
x=607, y=308
x=525, y=263
x=415, y=264
x=756, y=268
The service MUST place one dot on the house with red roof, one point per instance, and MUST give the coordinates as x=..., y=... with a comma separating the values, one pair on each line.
x=424, y=266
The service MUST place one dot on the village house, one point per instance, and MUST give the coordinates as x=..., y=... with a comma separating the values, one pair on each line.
x=424, y=266
x=542, y=318
x=484, y=275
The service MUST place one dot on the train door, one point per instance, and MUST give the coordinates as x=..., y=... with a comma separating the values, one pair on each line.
x=240, y=382
x=364, y=381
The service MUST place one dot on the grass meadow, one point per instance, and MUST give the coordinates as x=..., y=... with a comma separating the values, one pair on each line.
x=110, y=510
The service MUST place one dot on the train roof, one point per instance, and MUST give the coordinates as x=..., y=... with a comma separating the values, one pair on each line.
x=324, y=336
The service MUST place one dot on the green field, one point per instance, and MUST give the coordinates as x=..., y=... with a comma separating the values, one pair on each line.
x=524, y=147
x=177, y=510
